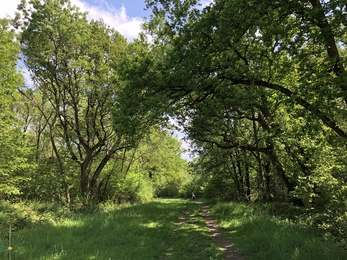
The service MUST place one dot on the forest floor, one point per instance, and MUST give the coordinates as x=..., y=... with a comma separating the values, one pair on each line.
x=170, y=229
x=224, y=243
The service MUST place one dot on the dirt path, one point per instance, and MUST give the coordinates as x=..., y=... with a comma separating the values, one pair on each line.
x=226, y=246
x=224, y=243
x=181, y=220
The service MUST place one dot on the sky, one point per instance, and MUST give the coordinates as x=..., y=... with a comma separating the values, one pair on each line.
x=125, y=16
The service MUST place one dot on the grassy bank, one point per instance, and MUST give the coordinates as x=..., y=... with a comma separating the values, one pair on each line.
x=149, y=231
x=144, y=231
x=261, y=236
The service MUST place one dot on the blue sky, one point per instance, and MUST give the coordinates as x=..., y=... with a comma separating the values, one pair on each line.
x=125, y=16
x=134, y=8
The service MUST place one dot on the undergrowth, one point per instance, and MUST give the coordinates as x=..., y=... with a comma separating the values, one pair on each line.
x=139, y=231
x=146, y=231
x=262, y=235
x=331, y=224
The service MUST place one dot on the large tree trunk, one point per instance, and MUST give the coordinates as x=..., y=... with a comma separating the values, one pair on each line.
x=248, y=183
x=259, y=159
x=89, y=179
x=60, y=164
x=84, y=178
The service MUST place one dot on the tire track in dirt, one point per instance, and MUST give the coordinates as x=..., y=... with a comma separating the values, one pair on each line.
x=224, y=243
x=229, y=250
x=180, y=222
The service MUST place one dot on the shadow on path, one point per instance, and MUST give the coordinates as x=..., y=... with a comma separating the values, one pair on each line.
x=227, y=250
x=227, y=247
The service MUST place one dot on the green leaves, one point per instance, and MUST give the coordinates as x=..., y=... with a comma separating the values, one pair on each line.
x=14, y=150
x=259, y=77
x=10, y=78
x=74, y=65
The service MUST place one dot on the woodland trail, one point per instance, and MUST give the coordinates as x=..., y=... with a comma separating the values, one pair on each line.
x=228, y=249
x=226, y=246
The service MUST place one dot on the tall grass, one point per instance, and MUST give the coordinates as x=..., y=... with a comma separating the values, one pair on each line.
x=261, y=236
x=143, y=231
x=192, y=240
x=129, y=232
x=149, y=231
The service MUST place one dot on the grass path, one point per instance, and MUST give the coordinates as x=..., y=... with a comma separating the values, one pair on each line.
x=223, y=248
x=262, y=236
x=224, y=243
x=161, y=229
x=181, y=221
x=191, y=238
x=170, y=229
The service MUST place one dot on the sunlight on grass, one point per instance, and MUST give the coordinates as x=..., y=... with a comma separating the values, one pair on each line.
x=261, y=236
x=69, y=223
x=140, y=231
x=192, y=240
x=151, y=231
x=192, y=226
x=230, y=223
x=152, y=225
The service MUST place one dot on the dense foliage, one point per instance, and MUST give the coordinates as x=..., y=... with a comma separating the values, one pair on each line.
x=62, y=136
x=13, y=143
x=259, y=87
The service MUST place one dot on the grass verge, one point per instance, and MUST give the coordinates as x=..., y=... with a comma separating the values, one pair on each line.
x=192, y=240
x=149, y=231
x=143, y=231
x=261, y=236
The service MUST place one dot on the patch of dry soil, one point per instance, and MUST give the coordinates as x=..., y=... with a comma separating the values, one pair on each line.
x=181, y=220
x=228, y=248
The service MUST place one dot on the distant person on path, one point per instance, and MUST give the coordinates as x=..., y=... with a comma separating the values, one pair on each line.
x=193, y=196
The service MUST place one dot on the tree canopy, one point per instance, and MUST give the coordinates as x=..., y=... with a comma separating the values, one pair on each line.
x=259, y=88
x=73, y=118
x=265, y=81
x=13, y=144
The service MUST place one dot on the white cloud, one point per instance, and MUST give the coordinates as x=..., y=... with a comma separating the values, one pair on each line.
x=8, y=8
x=205, y=3
x=129, y=27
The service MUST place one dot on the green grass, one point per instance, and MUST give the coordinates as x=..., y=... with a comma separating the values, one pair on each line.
x=149, y=231
x=261, y=236
x=143, y=231
x=192, y=240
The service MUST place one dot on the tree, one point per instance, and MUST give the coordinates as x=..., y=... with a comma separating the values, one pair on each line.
x=290, y=47
x=216, y=67
x=159, y=158
x=13, y=143
x=73, y=64
x=152, y=169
